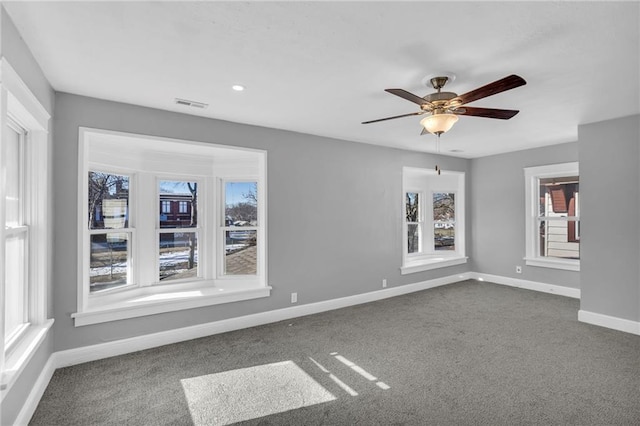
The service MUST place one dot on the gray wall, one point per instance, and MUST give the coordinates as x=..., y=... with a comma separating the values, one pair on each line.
x=334, y=214
x=498, y=213
x=610, y=236
x=13, y=48
x=19, y=56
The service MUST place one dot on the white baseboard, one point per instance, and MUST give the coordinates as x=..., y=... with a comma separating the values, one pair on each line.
x=607, y=321
x=105, y=350
x=529, y=285
x=30, y=405
x=119, y=347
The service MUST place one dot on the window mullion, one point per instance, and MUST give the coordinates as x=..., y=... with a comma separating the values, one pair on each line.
x=145, y=217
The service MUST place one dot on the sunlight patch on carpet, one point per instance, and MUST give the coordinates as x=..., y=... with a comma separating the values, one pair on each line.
x=250, y=393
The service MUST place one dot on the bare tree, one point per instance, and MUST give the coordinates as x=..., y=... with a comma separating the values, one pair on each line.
x=193, y=189
x=105, y=186
x=443, y=206
x=246, y=211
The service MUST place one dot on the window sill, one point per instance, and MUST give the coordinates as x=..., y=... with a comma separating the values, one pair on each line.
x=18, y=358
x=432, y=263
x=141, y=305
x=567, y=265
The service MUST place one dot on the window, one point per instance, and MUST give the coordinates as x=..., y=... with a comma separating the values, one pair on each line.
x=415, y=222
x=553, y=216
x=154, y=239
x=109, y=231
x=25, y=211
x=444, y=221
x=178, y=235
x=16, y=318
x=240, y=228
x=433, y=219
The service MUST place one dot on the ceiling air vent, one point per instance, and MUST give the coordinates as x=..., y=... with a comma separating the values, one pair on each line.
x=192, y=104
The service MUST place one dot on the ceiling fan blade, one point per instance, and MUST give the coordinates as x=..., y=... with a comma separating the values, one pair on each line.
x=396, y=116
x=423, y=132
x=501, y=114
x=507, y=83
x=407, y=95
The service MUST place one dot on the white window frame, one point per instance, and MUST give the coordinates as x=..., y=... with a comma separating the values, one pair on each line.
x=21, y=231
x=17, y=103
x=532, y=176
x=203, y=218
x=427, y=181
x=183, y=207
x=132, y=277
x=420, y=222
x=223, y=228
x=166, y=206
x=153, y=159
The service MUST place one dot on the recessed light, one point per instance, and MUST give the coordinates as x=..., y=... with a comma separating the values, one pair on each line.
x=238, y=87
x=456, y=150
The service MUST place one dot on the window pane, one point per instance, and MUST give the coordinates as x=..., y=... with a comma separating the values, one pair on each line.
x=412, y=207
x=560, y=238
x=241, y=203
x=444, y=236
x=413, y=238
x=240, y=253
x=559, y=196
x=178, y=204
x=109, y=261
x=13, y=177
x=443, y=206
x=178, y=255
x=15, y=282
x=108, y=201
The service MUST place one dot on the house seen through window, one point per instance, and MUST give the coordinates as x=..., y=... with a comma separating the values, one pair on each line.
x=178, y=230
x=173, y=221
x=110, y=235
x=553, y=216
x=559, y=223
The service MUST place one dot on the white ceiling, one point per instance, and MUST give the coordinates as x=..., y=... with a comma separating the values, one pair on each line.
x=322, y=67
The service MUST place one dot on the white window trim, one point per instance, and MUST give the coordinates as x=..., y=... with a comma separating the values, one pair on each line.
x=431, y=259
x=131, y=302
x=223, y=228
x=17, y=100
x=420, y=223
x=204, y=221
x=531, y=176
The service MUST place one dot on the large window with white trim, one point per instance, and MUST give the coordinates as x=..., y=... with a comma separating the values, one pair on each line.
x=553, y=216
x=16, y=292
x=172, y=225
x=240, y=230
x=25, y=211
x=433, y=219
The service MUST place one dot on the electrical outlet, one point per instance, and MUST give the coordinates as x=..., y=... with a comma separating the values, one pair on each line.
x=294, y=297
x=518, y=269
x=384, y=283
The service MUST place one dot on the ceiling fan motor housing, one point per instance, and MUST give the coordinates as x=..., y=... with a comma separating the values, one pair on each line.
x=439, y=82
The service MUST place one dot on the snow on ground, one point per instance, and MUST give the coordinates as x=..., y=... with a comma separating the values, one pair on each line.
x=167, y=261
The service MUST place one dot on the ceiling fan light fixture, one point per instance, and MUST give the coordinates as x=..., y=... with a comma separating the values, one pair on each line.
x=439, y=123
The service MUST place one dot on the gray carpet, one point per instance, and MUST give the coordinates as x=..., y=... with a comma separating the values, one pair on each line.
x=467, y=353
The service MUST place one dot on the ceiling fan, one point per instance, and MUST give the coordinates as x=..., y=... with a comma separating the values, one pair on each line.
x=443, y=108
